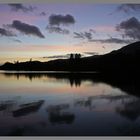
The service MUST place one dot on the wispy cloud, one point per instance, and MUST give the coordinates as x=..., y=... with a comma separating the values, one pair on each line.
x=17, y=40
x=4, y=32
x=84, y=35
x=113, y=40
x=57, y=56
x=43, y=14
x=127, y=8
x=88, y=37
x=20, y=7
x=91, y=53
x=59, y=30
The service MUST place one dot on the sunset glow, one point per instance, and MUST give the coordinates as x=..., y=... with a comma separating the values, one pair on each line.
x=31, y=30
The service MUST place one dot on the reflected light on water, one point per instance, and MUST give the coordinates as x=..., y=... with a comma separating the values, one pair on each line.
x=58, y=104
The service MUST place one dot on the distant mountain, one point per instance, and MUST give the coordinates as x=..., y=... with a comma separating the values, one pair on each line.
x=126, y=59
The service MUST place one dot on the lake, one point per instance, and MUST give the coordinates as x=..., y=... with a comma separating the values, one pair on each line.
x=68, y=104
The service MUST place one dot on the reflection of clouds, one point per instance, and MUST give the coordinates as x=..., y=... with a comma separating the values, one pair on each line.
x=88, y=101
x=7, y=105
x=129, y=106
x=26, y=109
x=56, y=108
x=130, y=109
x=112, y=98
x=85, y=103
x=57, y=115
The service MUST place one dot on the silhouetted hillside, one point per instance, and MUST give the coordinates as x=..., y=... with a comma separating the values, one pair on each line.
x=126, y=59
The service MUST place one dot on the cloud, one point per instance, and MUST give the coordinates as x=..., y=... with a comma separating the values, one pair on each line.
x=4, y=32
x=91, y=53
x=20, y=7
x=58, y=56
x=43, y=14
x=130, y=28
x=79, y=35
x=83, y=35
x=26, y=29
x=129, y=8
x=92, y=31
x=56, y=20
x=66, y=56
x=88, y=37
x=59, y=30
x=112, y=40
x=17, y=40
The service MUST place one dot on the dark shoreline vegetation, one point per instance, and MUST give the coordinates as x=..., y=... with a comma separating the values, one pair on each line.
x=126, y=59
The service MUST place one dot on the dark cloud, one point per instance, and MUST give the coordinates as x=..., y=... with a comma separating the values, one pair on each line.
x=79, y=35
x=27, y=29
x=88, y=36
x=83, y=35
x=58, y=56
x=66, y=56
x=4, y=32
x=56, y=20
x=56, y=29
x=112, y=40
x=91, y=53
x=130, y=28
x=129, y=8
x=20, y=7
x=92, y=31
x=43, y=14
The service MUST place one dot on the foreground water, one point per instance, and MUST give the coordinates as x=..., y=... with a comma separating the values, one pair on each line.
x=56, y=104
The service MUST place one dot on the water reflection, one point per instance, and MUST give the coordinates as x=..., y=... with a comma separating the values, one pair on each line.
x=28, y=108
x=7, y=105
x=69, y=104
x=130, y=109
x=127, y=83
x=58, y=116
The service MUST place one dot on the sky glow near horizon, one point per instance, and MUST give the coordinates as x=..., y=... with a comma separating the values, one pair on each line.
x=26, y=29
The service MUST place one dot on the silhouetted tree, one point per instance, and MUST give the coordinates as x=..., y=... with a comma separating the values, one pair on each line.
x=71, y=56
x=30, y=59
x=77, y=56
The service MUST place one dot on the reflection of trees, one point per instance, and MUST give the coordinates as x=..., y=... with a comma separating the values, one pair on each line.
x=130, y=109
x=28, y=108
x=76, y=82
x=58, y=116
x=127, y=83
x=31, y=76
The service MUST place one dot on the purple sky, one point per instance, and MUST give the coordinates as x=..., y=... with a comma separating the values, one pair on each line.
x=41, y=30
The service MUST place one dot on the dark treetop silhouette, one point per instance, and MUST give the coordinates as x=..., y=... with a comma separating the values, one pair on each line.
x=126, y=59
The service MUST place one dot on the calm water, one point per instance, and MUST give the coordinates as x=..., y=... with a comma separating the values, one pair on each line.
x=56, y=104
